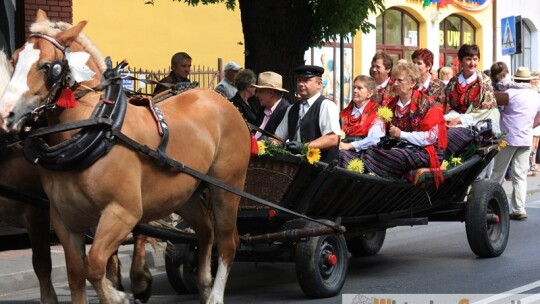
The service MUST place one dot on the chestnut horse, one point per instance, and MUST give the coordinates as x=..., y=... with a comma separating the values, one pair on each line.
x=17, y=173
x=125, y=187
x=20, y=180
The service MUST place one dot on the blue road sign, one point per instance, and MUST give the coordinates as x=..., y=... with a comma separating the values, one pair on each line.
x=508, y=34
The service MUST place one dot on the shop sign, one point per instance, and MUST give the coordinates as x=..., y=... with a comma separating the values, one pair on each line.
x=453, y=38
x=468, y=5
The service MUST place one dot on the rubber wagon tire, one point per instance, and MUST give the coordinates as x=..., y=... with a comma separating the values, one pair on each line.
x=316, y=277
x=181, y=262
x=487, y=202
x=367, y=244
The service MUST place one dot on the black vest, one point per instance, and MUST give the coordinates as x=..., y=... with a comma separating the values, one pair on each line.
x=309, y=127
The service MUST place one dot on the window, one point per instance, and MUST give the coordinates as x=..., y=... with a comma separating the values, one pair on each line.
x=454, y=31
x=328, y=56
x=397, y=33
x=524, y=59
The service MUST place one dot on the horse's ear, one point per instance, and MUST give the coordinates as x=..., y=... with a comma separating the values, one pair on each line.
x=41, y=16
x=69, y=35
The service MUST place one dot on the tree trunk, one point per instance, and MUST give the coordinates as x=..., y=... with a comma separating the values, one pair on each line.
x=277, y=33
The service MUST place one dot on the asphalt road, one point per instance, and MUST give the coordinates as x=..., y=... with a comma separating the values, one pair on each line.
x=432, y=259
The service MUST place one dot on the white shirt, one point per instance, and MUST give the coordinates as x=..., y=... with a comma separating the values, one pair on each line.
x=376, y=131
x=328, y=118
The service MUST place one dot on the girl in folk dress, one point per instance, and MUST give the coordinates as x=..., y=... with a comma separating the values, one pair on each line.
x=360, y=123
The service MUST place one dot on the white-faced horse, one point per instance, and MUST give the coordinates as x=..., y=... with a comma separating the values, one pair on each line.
x=124, y=187
x=21, y=177
x=23, y=204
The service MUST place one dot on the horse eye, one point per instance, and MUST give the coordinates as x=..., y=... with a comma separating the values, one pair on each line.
x=45, y=67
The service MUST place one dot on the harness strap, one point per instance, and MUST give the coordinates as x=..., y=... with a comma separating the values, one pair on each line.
x=95, y=121
x=263, y=131
x=165, y=160
x=34, y=201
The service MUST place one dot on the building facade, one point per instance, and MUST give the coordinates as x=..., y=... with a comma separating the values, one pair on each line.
x=147, y=35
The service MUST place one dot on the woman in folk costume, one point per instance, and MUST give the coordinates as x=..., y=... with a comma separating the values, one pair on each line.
x=469, y=100
x=360, y=123
x=418, y=121
x=429, y=85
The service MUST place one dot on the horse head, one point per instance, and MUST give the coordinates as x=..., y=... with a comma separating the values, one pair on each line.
x=54, y=60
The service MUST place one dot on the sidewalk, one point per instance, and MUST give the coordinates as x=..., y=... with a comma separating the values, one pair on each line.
x=16, y=272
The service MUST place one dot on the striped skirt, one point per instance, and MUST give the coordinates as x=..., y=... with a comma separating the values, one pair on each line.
x=459, y=139
x=345, y=156
x=396, y=162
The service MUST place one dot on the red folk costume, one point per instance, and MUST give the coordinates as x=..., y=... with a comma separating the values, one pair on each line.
x=478, y=93
x=422, y=114
x=360, y=125
x=387, y=94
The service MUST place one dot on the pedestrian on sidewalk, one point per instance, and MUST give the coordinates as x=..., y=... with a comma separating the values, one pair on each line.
x=517, y=121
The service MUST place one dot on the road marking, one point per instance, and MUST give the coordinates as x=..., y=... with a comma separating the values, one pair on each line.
x=510, y=292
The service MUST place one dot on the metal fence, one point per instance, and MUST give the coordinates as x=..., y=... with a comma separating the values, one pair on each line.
x=207, y=77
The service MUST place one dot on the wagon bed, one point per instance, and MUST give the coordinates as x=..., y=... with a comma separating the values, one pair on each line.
x=365, y=205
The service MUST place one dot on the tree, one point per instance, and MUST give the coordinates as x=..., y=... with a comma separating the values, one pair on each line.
x=277, y=33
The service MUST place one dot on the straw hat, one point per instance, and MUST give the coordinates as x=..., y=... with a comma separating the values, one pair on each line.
x=523, y=73
x=270, y=80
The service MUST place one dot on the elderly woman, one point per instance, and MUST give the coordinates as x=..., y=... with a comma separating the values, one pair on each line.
x=418, y=122
x=469, y=100
x=360, y=123
x=243, y=100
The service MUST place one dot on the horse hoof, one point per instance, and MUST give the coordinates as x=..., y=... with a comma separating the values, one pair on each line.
x=145, y=295
x=135, y=301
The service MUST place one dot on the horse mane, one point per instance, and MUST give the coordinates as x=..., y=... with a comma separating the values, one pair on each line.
x=53, y=28
x=4, y=72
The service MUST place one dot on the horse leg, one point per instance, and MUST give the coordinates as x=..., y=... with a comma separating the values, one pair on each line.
x=114, y=271
x=74, y=251
x=225, y=208
x=113, y=227
x=141, y=278
x=37, y=225
x=199, y=216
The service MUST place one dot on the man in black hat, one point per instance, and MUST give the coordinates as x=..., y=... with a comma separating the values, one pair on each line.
x=313, y=120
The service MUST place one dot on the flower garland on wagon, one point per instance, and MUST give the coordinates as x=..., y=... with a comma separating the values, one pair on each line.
x=266, y=147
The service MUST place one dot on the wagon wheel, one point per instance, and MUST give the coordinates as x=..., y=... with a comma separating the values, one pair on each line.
x=321, y=264
x=486, y=219
x=367, y=244
x=181, y=262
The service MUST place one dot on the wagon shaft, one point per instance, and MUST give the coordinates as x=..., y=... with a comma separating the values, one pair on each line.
x=289, y=235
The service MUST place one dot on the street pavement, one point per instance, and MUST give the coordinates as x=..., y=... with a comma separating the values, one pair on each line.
x=16, y=272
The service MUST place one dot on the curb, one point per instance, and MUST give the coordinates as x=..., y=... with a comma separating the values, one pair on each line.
x=13, y=279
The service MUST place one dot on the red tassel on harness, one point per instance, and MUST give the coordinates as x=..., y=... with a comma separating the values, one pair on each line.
x=254, y=145
x=67, y=99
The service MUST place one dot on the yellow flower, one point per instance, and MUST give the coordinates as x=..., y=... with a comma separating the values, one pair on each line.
x=444, y=164
x=356, y=165
x=501, y=145
x=313, y=155
x=262, y=147
x=385, y=114
x=454, y=161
